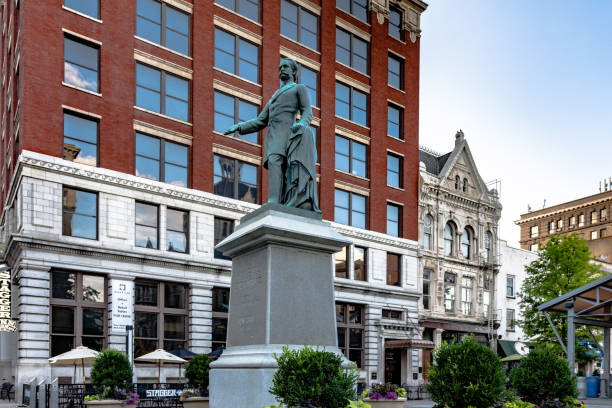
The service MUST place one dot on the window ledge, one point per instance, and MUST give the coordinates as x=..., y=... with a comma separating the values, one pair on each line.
x=236, y=76
x=395, y=188
x=81, y=89
x=350, y=121
x=353, y=69
x=162, y=115
x=396, y=39
x=239, y=15
x=510, y=297
x=82, y=14
x=352, y=175
x=300, y=44
x=237, y=138
x=163, y=48
x=349, y=14
x=397, y=89
x=396, y=138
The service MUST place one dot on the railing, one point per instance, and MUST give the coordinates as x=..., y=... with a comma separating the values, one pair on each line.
x=151, y=395
x=73, y=395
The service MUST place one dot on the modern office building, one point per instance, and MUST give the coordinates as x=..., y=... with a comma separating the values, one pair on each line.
x=589, y=217
x=459, y=263
x=116, y=180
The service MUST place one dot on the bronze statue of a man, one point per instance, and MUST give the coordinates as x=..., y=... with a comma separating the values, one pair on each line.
x=289, y=150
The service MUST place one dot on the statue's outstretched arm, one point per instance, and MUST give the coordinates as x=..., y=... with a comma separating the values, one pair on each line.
x=252, y=125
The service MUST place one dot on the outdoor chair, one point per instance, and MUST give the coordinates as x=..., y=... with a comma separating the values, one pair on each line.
x=7, y=391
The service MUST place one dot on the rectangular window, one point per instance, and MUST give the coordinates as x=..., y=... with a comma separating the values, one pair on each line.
x=223, y=229
x=396, y=21
x=510, y=286
x=350, y=323
x=572, y=221
x=394, y=170
x=394, y=218
x=360, y=263
x=220, y=309
x=559, y=225
x=391, y=314
x=449, y=292
x=177, y=230
x=551, y=227
x=394, y=121
x=161, y=92
x=88, y=7
x=603, y=214
x=246, y=8
x=81, y=64
x=350, y=156
x=235, y=179
x=351, y=50
x=534, y=247
x=427, y=273
x=160, y=159
x=394, y=268
x=467, y=295
x=299, y=24
x=593, y=217
x=341, y=261
x=351, y=104
x=357, y=8
x=593, y=234
x=79, y=213
x=350, y=208
x=236, y=55
x=602, y=233
x=162, y=24
x=395, y=73
x=160, y=316
x=533, y=231
x=147, y=223
x=80, y=139
x=510, y=322
x=230, y=110
x=581, y=220
x=487, y=296
x=310, y=79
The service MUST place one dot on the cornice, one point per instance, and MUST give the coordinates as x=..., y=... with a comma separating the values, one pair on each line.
x=375, y=237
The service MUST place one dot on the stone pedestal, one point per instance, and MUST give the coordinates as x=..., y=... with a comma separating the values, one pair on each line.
x=282, y=293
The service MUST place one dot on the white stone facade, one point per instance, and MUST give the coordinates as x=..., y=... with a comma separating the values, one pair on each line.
x=458, y=239
x=31, y=229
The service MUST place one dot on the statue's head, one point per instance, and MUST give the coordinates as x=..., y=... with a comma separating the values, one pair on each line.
x=288, y=66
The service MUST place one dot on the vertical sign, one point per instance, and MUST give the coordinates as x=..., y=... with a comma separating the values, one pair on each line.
x=6, y=323
x=123, y=306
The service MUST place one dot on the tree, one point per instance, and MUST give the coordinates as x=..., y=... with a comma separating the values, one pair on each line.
x=562, y=266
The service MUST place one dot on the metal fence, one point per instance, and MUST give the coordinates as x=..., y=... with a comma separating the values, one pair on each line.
x=151, y=395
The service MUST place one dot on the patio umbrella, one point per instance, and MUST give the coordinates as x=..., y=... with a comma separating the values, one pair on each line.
x=160, y=356
x=216, y=353
x=75, y=356
x=183, y=353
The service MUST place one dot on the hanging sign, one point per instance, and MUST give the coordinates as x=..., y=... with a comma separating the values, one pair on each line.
x=123, y=307
x=6, y=323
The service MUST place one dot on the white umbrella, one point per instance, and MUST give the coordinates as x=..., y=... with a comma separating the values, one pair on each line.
x=160, y=356
x=75, y=356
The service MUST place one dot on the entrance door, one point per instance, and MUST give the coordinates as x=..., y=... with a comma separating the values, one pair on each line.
x=427, y=360
x=393, y=366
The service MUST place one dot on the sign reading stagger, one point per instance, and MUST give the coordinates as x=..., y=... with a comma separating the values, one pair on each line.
x=6, y=323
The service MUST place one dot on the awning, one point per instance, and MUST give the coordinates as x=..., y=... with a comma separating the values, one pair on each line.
x=409, y=343
x=507, y=347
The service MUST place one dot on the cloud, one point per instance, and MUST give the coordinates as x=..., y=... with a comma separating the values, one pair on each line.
x=73, y=76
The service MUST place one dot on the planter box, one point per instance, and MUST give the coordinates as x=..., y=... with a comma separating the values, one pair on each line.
x=398, y=403
x=104, y=404
x=196, y=402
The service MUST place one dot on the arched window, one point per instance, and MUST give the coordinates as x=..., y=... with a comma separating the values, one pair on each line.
x=449, y=233
x=466, y=243
x=465, y=185
x=457, y=181
x=488, y=238
x=427, y=225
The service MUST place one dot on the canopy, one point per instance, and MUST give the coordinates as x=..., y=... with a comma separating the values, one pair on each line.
x=75, y=356
x=513, y=357
x=183, y=353
x=160, y=356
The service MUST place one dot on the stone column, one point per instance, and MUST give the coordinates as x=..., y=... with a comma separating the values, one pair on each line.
x=437, y=337
x=200, y=318
x=371, y=346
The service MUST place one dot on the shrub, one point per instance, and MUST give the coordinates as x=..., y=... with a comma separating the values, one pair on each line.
x=111, y=373
x=466, y=374
x=384, y=392
x=196, y=372
x=311, y=376
x=543, y=376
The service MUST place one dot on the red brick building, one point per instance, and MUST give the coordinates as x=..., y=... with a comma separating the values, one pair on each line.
x=37, y=93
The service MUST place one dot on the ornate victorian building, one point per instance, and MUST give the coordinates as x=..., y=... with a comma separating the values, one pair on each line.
x=459, y=254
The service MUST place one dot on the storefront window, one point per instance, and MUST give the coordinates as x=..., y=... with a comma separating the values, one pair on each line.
x=78, y=311
x=160, y=316
x=350, y=324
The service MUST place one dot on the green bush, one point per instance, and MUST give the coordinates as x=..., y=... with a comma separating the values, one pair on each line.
x=466, y=374
x=311, y=376
x=196, y=372
x=111, y=373
x=542, y=376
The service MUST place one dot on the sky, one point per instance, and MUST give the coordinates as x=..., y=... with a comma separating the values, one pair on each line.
x=530, y=84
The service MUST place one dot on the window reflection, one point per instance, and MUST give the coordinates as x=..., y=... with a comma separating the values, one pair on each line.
x=235, y=179
x=80, y=210
x=80, y=139
x=63, y=285
x=93, y=288
x=341, y=263
x=81, y=64
x=146, y=225
x=176, y=230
